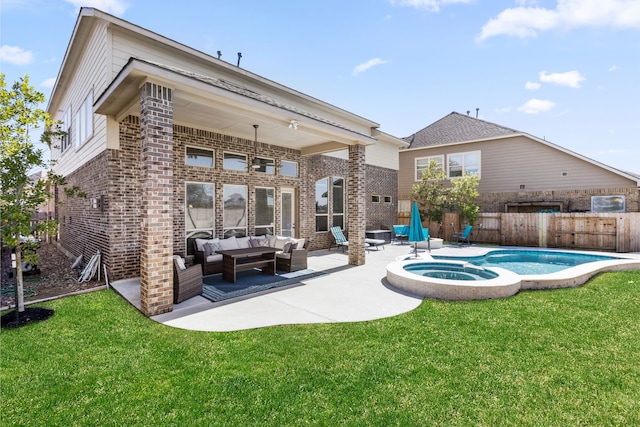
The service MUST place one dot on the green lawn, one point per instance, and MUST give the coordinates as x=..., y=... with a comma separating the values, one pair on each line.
x=544, y=358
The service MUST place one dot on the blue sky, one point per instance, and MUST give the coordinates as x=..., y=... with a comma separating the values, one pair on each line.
x=567, y=71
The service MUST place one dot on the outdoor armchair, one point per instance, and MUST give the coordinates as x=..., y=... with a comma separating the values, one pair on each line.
x=187, y=281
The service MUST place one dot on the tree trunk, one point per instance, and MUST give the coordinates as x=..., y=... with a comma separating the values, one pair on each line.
x=19, y=281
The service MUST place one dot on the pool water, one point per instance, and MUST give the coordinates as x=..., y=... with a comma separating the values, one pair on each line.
x=450, y=271
x=529, y=262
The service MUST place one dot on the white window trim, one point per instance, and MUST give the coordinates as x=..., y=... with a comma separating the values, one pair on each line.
x=463, y=165
x=83, y=121
x=428, y=158
x=374, y=201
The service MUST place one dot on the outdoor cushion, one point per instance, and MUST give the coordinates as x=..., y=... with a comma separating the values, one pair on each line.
x=283, y=255
x=211, y=248
x=297, y=243
x=280, y=242
x=287, y=248
x=214, y=258
x=243, y=242
x=229, y=243
x=180, y=262
x=272, y=241
x=201, y=242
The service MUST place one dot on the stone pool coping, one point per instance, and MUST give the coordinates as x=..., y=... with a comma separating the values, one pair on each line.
x=507, y=283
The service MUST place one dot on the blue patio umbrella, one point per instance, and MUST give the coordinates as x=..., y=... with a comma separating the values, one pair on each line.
x=416, y=233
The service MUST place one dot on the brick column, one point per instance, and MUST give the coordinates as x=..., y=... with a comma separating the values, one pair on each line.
x=356, y=196
x=156, y=174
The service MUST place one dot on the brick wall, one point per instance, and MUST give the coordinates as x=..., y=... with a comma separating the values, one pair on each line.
x=572, y=200
x=116, y=231
x=379, y=181
x=83, y=230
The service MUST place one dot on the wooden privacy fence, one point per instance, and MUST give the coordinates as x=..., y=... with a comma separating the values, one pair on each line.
x=612, y=232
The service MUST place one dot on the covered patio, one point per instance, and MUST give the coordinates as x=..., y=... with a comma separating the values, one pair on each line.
x=231, y=105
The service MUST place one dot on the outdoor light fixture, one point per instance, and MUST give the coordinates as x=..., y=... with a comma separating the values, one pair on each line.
x=293, y=124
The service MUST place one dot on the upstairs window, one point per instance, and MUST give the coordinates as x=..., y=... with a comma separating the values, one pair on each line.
x=83, y=121
x=423, y=162
x=461, y=164
x=66, y=127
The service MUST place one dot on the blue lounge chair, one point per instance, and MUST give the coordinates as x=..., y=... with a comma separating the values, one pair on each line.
x=401, y=232
x=338, y=235
x=341, y=240
x=465, y=235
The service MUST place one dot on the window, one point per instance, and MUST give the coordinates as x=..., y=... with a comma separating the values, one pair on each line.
x=265, y=211
x=322, y=205
x=461, y=164
x=199, y=209
x=375, y=199
x=66, y=126
x=263, y=165
x=199, y=157
x=334, y=198
x=235, y=162
x=338, y=202
x=388, y=200
x=288, y=168
x=235, y=211
x=83, y=122
x=423, y=162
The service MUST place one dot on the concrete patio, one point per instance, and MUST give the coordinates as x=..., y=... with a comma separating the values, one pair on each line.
x=347, y=294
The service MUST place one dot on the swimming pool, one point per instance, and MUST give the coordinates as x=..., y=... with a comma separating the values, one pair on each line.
x=526, y=262
x=500, y=273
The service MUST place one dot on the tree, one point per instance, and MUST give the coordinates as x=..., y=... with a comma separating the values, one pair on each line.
x=430, y=193
x=434, y=198
x=21, y=195
x=463, y=197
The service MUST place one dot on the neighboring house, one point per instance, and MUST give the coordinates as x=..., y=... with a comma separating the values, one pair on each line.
x=518, y=172
x=162, y=138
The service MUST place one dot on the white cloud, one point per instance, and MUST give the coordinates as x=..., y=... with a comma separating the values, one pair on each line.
x=535, y=106
x=570, y=78
x=49, y=82
x=529, y=21
x=367, y=65
x=15, y=55
x=614, y=68
x=115, y=7
x=428, y=5
x=532, y=86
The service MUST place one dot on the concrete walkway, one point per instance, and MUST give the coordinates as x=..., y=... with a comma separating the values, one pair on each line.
x=346, y=294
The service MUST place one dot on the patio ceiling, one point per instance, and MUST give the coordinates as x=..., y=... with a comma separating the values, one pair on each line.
x=228, y=108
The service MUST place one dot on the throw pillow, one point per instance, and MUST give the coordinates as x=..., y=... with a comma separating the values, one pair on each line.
x=180, y=263
x=255, y=243
x=287, y=248
x=263, y=243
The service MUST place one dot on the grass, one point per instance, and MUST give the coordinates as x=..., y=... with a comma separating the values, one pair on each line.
x=540, y=358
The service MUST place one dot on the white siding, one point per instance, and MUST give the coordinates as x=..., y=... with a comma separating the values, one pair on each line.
x=89, y=74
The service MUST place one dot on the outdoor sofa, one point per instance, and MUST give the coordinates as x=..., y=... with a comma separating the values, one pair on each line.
x=291, y=255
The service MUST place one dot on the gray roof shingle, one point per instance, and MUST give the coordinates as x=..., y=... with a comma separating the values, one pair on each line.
x=456, y=127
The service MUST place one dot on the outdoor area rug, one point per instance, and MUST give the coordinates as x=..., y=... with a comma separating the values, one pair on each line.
x=249, y=282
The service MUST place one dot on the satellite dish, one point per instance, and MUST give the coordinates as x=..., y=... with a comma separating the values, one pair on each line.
x=77, y=262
